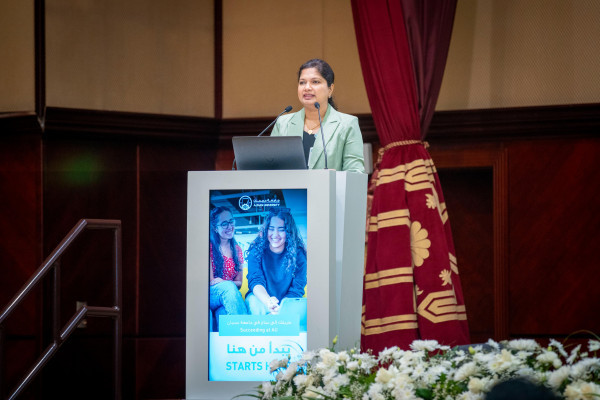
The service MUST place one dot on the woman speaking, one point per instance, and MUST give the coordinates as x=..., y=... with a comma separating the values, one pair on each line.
x=340, y=132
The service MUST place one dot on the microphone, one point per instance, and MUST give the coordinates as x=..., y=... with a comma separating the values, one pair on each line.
x=287, y=109
x=318, y=107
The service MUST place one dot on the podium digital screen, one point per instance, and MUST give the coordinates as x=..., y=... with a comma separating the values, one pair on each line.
x=257, y=277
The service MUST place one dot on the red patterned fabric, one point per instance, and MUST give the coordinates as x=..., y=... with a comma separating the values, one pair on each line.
x=411, y=285
x=229, y=272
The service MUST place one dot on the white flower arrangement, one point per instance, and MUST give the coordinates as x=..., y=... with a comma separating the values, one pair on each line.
x=434, y=372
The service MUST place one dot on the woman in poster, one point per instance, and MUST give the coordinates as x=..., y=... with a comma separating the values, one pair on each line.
x=226, y=262
x=276, y=264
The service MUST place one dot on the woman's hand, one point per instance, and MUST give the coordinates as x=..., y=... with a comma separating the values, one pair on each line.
x=273, y=305
x=215, y=281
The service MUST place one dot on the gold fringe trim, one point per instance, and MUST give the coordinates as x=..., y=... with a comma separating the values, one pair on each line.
x=399, y=143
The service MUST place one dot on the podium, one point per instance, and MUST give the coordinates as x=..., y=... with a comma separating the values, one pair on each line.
x=329, y=208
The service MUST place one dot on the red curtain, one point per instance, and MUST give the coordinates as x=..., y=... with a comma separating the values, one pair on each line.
x=411, y=285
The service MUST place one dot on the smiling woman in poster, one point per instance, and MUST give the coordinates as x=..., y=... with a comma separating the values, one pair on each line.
x=226, y=262
x=276, y=264
x=341, y=132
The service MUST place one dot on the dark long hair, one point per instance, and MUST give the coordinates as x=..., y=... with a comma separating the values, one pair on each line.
x=325, y=71
x=293, y=240
x=215, y=241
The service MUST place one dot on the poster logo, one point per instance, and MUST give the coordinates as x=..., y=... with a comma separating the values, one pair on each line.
x=245, y=203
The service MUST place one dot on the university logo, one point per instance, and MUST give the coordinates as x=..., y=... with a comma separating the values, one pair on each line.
x=245, y=203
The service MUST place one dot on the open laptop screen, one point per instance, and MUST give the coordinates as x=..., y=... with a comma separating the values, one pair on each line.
x=268, y=152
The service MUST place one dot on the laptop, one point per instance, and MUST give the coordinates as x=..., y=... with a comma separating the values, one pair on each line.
x=268, y=152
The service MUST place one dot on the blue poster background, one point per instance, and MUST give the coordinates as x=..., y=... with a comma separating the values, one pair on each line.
x=243, y=345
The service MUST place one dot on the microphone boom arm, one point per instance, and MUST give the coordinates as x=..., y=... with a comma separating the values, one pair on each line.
x=318, y=107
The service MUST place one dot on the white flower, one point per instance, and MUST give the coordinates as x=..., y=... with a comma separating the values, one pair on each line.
x=557, y=377
x=404, y=393
x=308, y=356
x=352, y=365
x=375, y=392
x=336, y=383
x=396, y=374
x=276, y=364
x=302, y=380
x=267, y=390
x=418, y=371
x=493, y=344
x=501, y=362
x=386, y=354
x=290, y=372
x=470, y=396
x=402, y=387
x=343, y=356
x=594, y=345
x=582, y=369
x=549, y=358
x=523, y=344
x=574, y=354
x=559, y=347
x=384, y=375
x=365, y=362
x=479, y=385
x=424, y=345
x=465, y=371
x=433, y=374
x=459, y=356
x=581, y=390
x=484, y=358
x=328, y=358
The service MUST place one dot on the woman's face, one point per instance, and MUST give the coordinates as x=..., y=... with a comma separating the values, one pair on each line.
x=225, y=225
x=276, y=235
x=313, y=87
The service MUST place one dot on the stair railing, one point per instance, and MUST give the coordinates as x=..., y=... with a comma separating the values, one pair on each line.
x=60, y=335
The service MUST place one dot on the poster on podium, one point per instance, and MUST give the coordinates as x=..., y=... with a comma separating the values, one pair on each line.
x=257, y=281
x=264, y=280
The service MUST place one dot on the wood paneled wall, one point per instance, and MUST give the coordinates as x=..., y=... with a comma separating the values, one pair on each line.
x=538, y=165
x=88, y=164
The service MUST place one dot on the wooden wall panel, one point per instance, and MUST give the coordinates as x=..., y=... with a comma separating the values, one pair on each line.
x=469, y=200
x=131, y=167
x=91, y=179
x=484, y=280
x=160, y=347
x=160, y=366
x=554, y=236
x=20, y=242
x=163, y=212
x=20, y=222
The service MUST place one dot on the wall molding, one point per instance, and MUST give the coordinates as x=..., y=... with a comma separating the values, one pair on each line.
x=90, y=123
x=465, y=126
x=502, y=124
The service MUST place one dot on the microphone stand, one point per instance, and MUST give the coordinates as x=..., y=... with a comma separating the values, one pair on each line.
x=318, y=107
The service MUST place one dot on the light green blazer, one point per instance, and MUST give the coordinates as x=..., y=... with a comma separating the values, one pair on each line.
x=343, y=140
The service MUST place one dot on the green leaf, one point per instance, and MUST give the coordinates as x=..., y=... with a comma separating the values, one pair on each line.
x=423, y=393
x=256, y=396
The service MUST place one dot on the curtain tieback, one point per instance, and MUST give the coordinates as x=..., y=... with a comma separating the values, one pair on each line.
x=399, y=143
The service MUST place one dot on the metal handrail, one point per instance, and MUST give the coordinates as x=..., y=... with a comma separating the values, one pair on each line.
x=60, y=335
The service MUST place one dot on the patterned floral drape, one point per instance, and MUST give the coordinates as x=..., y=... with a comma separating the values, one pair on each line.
x=412, y=287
